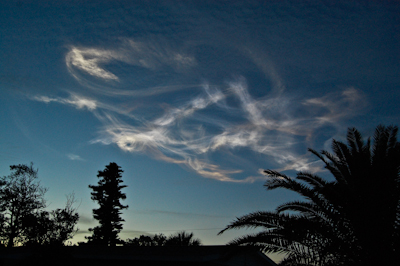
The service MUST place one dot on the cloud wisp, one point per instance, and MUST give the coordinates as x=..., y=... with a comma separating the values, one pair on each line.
x=90, y=60
x=192, y=132
x=74, y=100
x=208, y=127
x=75, y=157
x=84, y=63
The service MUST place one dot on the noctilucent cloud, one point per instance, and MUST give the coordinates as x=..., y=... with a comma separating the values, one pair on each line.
x=191, y=98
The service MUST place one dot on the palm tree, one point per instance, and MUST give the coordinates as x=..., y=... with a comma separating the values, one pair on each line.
x=352, y=220
x=182, y=239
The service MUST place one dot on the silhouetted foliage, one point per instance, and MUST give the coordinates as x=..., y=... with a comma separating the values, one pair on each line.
x=108, y=195
x=51, y=228
x=182, y=239
x=147, y=241
x=179, y=239
x=353, y=220
x=23, y=218
x=20, y=195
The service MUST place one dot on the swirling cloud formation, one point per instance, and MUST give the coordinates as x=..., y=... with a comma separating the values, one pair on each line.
x=213, y=121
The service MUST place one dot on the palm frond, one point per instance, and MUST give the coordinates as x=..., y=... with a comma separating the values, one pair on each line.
x=393, y=130
x=273, y=242
x=333, y=165
x=265, y=219
x=313, y=180
x=268, y=242
x=344, y=159
x=290, y=184
x=308, y=209
x=354, y=140
x=381, y=138
x=275, y=174
x=341, y=222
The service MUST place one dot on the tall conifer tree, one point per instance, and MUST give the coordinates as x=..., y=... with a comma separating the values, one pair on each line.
x=108, y=195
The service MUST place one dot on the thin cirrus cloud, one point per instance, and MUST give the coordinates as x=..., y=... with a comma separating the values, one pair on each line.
x=89, y=61
x=165, y=138
x=223, y=119
x=75, y=157
x=75, y=100
x=337, y=106
x=148, y=55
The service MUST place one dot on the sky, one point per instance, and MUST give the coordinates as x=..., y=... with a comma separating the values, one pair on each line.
x=193, y=99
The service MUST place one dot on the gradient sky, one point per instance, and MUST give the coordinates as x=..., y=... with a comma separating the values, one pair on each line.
x=190, y=98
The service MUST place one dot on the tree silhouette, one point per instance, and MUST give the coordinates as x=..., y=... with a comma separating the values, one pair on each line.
x=352, y=220
x=108, y=195
x=147, y=241
x=20, y=195
x=182, y=239
x=53, y=228
x=22, y=216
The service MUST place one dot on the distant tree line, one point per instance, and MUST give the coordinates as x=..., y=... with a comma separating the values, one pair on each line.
x=178, y=239
x=24, y=220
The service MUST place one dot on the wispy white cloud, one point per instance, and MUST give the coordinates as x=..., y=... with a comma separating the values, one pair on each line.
x=266, y=130
x=190, y=108
x=304, y=164
x=90, y=60
x=77, y=101
x=249, y=105
x=267, y=126
x=145, y=54
x=155, y=54
x=74, y=157
x=216, y=120
x=333, y=107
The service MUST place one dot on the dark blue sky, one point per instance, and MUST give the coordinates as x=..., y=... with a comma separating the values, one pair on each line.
x=190, y=98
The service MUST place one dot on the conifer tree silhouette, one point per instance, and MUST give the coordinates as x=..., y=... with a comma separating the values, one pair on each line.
x=108, y=195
